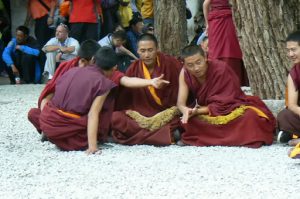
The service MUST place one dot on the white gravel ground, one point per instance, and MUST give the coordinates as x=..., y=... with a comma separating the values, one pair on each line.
x=32, y=169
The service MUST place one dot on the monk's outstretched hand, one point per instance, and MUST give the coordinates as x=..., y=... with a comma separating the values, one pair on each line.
x=188, y=113
x=95, y=151
x=159, y=82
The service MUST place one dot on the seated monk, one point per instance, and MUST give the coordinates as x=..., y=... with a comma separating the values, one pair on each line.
x=221, y=113
x=288, y=119
x=71, y=119
x=148, y=115
x=85, y=57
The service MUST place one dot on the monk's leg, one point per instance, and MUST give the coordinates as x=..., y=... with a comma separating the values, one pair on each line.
x=127, y=131
x=288, y=124
x=33, y=117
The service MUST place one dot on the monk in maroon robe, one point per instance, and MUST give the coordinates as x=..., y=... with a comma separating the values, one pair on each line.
x=221, y=113
x=148, y=115
x=223, y=42
x=288, y=119
x=86, y=52
x=71, y=118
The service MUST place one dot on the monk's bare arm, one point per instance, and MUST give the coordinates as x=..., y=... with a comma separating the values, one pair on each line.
x=93, y=122
x=45, y=100
x=293, y=95
x=205, y=11
x=182, y=98
x=182, y=93
x=135, y=82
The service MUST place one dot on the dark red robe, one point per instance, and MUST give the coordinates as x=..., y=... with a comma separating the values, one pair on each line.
x=107, y=109
x=223, y=42
x=222, y=96
x=125, y=129
x=34, y=113
x=64, y=118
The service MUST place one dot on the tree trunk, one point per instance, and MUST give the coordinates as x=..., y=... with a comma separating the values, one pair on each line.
x=170, y=25
x=263, y=26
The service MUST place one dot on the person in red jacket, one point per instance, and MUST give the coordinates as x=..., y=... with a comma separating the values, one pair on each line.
x=85, y=19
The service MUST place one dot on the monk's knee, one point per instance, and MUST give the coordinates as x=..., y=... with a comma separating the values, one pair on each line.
x=116, y=116
x=33, y=114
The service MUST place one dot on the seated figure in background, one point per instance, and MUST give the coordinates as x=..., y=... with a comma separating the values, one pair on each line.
x=58, y=49
x=21, y=56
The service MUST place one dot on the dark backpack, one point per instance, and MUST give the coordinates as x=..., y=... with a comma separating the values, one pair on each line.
x=107, y=4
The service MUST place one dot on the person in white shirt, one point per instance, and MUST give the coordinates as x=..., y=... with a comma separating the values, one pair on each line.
x=58, y=49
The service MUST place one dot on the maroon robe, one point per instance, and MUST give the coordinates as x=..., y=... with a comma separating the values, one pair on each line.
x=223, y=42
x=222, y=96
x=75, y=92
x=287, y=120
x=125, y=129
x=107, y=109
x=34, y=113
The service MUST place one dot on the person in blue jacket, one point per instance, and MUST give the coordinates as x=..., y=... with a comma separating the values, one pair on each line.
x=21, y=56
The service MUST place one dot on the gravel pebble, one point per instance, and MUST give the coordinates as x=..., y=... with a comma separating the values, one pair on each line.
x=32, y=169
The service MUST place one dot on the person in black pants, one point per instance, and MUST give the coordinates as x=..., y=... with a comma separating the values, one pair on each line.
x=21, y=56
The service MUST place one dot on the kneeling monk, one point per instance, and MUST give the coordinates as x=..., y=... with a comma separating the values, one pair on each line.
x=148, y=115
x=71, y=119
x=221, y=113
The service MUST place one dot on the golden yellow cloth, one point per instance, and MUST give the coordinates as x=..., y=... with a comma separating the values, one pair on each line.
x=155, y=122
x=147, y=9
x=139, y=4
x=125, y=14
x=224, y=119
x=151, y=88
x=295, y=152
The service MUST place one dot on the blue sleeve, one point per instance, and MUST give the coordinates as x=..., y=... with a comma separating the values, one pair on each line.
x=6, y=56
x=30, y=51
x=200, y=39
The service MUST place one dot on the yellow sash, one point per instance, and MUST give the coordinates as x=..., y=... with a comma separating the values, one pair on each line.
x=151, y=88
x=224, y=119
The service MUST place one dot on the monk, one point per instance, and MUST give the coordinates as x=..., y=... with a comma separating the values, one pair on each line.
x=70, y=119
x=148, y=115
x=288, y=119
x=223, y=42
x=220, y=113
x=85, y=57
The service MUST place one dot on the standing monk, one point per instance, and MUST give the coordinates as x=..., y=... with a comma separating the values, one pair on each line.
x=147, y=115
x=221, y=113
x=223, y=42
